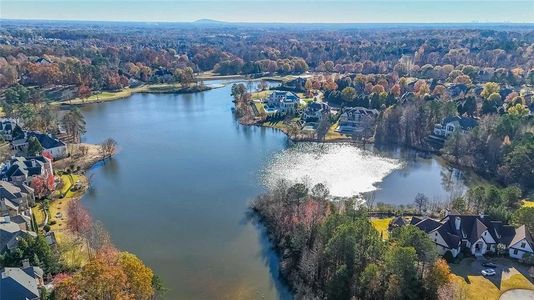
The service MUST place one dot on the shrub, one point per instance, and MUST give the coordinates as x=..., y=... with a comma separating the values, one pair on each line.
x=46, y=228
x=53, y=222
x=448, y=256
x=528, y=259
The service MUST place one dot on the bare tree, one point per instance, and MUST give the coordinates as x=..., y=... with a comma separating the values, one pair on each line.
x=108, y=148
x=421, y=202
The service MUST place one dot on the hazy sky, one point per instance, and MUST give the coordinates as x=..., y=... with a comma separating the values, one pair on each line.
x=320, y=11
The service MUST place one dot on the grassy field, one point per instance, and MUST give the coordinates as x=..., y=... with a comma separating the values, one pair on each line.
x=260, y=95
x=381, y=225
x=527, y=203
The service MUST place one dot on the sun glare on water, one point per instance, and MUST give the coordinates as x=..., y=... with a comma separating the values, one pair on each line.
x=346, y=170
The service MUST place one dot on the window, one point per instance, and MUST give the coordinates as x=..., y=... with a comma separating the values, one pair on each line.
x=488, y=248
x=515, y=251
x=523, y=244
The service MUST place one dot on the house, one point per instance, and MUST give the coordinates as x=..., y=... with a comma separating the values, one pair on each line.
x=476, y=234
x=21, y=283
x=522, y=243
x=52, y=145
x=11, y=234
x=451, y=124
x=356, y=120
x=24, y=221
x=284, y=102
x=396, y=223
x=7, y=129
x=21, y=170
x=15, y=200
x=315, y=112
x=42, y=61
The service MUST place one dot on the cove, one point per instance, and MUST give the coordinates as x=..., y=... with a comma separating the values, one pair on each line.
x=177, y=193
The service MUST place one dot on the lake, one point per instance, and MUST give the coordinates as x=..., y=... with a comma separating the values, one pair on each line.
x=177, y=193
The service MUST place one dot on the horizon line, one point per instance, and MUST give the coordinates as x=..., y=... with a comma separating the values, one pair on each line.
x=203, y=21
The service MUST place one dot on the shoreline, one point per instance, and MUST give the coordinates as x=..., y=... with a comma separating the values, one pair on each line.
x=127, y=92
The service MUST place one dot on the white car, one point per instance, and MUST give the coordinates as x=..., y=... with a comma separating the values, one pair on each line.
x=488, y=272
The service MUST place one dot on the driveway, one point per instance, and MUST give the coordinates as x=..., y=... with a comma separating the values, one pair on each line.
x=505, y=269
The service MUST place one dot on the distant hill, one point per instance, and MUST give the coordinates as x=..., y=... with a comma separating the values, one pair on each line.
x=208, y=21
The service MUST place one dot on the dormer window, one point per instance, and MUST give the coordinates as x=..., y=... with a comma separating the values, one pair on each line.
x=523, y=244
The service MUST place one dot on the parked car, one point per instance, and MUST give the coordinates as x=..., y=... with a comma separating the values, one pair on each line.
x=488, y=272
x=489, y=264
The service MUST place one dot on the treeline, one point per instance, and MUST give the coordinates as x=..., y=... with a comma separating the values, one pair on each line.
x=108, y=57
x=501, y=147
x=332, y=251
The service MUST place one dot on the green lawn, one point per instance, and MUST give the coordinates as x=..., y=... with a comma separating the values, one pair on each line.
x=381, y=225
x=527, y=203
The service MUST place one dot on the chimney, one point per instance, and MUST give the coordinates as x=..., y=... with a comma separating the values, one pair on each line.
x=481, y=215
x=25, y=263
x=457, y=223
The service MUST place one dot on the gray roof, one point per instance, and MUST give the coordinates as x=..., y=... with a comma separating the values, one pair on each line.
x=20, y=284
x=27, y=167
x=10, y=231
x=46, y=140
x=522, y=233
x=465, y=122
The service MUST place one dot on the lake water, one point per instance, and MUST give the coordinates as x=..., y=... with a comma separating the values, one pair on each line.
x=177, y=193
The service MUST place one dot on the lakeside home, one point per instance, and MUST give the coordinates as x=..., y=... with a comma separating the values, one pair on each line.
x=477, y=234
x=21, y=170
x=356, y=120
x=283, y=102
x=451, y=124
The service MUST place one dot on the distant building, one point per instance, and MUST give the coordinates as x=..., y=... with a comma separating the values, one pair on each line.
x=283, y=102
x=315, y=112
x=7, y=129
x=451, y=124
x=356, y=120
x=21, y=283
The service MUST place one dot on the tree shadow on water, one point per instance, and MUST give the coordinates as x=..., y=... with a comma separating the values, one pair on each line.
x=269, y=256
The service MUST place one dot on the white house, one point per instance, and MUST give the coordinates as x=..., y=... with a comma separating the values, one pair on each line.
x=356, y=119
x=475, y=233
x=451, y=124
x=521, y=244
x=7, y=126
x=284, y=102
x=52, y=145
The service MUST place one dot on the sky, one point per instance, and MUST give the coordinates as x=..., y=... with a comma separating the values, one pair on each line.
x=275, y=11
